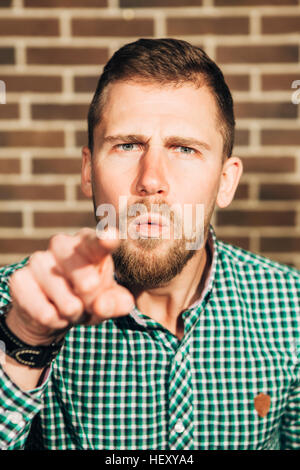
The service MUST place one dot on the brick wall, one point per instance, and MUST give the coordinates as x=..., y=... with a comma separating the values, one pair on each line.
x=51, y=52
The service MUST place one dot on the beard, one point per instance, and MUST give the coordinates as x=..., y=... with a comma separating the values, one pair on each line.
x=147, y=263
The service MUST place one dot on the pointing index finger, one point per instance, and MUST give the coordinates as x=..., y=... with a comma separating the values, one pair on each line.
x=96, y=246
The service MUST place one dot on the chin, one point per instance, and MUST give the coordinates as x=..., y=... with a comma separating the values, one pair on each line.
x=149, y=263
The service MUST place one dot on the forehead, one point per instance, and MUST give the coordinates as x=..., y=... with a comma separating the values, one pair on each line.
x=129, y=93
x=140, y=108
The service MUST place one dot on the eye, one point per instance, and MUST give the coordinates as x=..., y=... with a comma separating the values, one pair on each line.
x=127, y=147
x=185, y=150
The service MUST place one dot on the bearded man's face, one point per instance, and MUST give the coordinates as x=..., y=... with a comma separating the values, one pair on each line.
x=157, y=146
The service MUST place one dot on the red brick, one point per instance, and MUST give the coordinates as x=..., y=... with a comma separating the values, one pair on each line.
x=280, y=24
x=5, y=4
x=252, y=218
x=257, y=54
x=280, y=244
x=9, y=165
x=242, y=191
x=64, y=219
x=280, y=137
x=59, y=111
x=9, y=111
x=207, y=25
x=159, y=3
x=32, y=192
x=280, y=81
x=79, y=194
x=33, y=83
x=238, y=3
x=242, y=242
x=241, y=137
x=260, y=110
x=279, y=191
x=81, y=138
x=67, y=55
x=86, y=84
x=22, y=245
x=261, y=164
x=28, y=138
x=112, y=27
x=238, y=82
x=7, y=55
x=29, y=27
x=65, y=3
x=10, y=219
x=57, y=166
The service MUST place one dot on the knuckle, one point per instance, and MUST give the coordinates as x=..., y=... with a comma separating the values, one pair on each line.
x=57, y=241
x=87, y=285
x=17, y=280
x=46, y=318
x=82, y=289
x=37, y=258
x=72, y=308
x=84, y=232
x=17, y=276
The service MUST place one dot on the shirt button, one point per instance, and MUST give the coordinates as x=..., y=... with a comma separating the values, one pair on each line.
x=179, y=427
x=178, y=356
x=15, y=417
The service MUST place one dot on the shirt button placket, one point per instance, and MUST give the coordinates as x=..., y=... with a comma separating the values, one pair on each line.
x=181, y=403
x=178, y=357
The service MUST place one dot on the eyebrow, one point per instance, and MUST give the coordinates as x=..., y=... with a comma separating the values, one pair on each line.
x=131, y=138
x=187, y=142
x=170, y=140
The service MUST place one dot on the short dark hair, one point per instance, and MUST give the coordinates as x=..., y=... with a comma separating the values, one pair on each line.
x=166, y=61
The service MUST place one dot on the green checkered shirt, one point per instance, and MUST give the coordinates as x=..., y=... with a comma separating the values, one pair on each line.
x=131, y=384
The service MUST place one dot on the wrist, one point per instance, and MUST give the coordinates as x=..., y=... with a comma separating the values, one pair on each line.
x=33, y=356
x=15, y=324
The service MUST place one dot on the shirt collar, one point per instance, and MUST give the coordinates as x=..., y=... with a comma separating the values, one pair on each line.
x=211, y=253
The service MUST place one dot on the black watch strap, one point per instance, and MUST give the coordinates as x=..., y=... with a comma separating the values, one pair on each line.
x=35, y=357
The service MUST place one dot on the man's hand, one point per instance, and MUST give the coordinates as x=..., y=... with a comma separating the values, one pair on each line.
x=70, y=283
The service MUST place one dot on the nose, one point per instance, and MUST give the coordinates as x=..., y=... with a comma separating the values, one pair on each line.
x=152, y=173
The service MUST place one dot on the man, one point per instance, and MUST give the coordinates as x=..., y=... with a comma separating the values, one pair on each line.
x=140, y=338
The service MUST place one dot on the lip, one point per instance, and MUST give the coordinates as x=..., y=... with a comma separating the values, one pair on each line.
x=151, y=219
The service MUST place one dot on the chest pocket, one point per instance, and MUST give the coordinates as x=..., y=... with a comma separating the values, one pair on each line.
x=241, y=405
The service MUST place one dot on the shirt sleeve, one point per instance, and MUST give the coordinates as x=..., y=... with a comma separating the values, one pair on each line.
x=17, y=407
x=5, y=274
x=17, y=411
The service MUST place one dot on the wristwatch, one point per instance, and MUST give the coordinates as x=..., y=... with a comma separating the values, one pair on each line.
x=35, y=357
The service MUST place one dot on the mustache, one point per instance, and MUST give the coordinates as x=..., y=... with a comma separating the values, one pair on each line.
x=178, y=221
x=155, y=206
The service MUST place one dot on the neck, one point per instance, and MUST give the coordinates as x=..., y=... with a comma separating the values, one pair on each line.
x=165, y=304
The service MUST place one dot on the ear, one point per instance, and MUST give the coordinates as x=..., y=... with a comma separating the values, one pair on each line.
x=86, y=172
x=231, y=173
